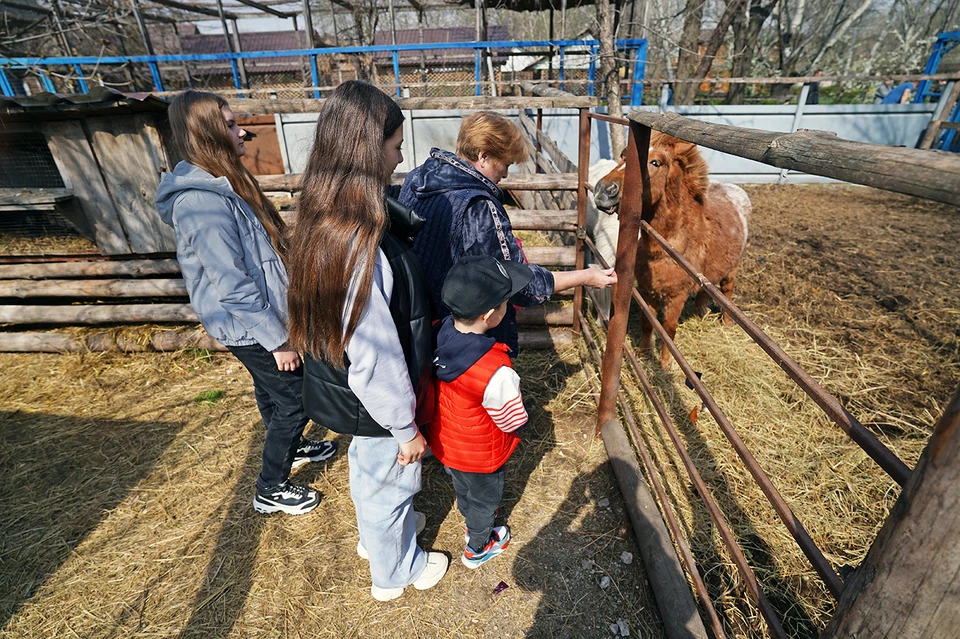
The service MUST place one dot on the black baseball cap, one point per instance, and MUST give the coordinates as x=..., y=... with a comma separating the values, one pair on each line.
x=478, y=283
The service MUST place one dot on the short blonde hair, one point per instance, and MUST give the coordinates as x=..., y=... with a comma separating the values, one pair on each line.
x=493, y=134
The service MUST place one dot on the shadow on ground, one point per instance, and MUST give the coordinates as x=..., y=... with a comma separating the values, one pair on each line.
x=60, y=476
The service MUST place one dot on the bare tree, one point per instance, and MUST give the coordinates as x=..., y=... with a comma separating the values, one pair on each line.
x=746, y=37
x=610, y=74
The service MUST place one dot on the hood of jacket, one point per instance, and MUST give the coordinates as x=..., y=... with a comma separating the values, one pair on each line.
x=445, y=171
x=185, y=177
x=456, y=351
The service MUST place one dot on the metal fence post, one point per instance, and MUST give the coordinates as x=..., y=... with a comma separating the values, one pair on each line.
x=634, y=201
x=80, y=80
x=5, y=85
x=592, y=72
x=155, y=73
x=639, y=69
x=396, y=71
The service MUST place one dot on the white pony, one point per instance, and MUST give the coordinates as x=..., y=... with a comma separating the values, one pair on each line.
x=602, y=228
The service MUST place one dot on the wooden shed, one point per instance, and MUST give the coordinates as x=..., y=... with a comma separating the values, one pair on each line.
x=93, y=160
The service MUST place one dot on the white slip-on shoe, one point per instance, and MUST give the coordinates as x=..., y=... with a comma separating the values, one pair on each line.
x=436, y=568
x=421, y=524
x=437, y=564
x=385, y=594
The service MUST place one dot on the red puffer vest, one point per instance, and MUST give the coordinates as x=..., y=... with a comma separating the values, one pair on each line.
x=463, y=435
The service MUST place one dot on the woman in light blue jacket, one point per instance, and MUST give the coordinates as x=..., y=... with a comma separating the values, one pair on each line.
x=230, y=246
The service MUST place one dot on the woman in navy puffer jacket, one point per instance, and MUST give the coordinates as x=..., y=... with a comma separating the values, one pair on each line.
x=459, y=197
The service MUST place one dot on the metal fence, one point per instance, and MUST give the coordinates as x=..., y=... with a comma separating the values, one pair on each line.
x=457, y=68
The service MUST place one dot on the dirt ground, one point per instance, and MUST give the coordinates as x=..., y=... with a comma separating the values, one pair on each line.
x=126, y=479
x=876, y=271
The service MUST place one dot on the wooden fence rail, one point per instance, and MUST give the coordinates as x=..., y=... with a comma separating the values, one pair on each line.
x=931, y=174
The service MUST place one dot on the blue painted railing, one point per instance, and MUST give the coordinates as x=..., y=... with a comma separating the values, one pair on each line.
x=636, y=47
x=945, y=42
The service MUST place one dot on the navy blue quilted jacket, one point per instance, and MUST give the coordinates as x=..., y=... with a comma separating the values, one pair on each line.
x=465, y=216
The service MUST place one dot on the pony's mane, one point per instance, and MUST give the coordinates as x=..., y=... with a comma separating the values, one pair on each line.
x=695, y=169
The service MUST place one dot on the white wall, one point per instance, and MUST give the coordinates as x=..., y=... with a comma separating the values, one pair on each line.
x=892, y=125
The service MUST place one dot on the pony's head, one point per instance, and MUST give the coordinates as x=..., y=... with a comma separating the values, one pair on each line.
x=672, y=164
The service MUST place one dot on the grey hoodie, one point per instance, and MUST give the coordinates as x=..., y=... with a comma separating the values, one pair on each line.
x=236, y=280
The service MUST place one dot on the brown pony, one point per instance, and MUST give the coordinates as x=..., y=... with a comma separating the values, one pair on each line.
x=705, y=221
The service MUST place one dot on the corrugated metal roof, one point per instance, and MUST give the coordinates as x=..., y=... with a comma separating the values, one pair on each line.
x=100, y=101
x=441, y=56
x=254, y=41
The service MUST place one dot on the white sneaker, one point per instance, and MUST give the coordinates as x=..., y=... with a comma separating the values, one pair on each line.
x=437, y=564
x=421, y=524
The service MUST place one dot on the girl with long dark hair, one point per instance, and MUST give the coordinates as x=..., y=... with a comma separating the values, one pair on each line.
x=360, y=313
x=230, y=245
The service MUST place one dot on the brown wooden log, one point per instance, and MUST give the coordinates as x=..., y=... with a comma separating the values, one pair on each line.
x=930, y=174
x=558, y=100
x=544, y=339
x=909, y=583
x=677, y=608
x=60, y=343
x=125, y=268
x=543, y=90
x=86, y=314
x=290, y=182
x=540, y=182
x=551, y=255
x=551, y=314
x=164, y=341
x=30, y=198
x=543, y=219
x=93, y=288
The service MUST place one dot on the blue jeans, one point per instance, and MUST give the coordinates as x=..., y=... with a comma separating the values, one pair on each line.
x=478, y=497
x=279, y=397
x=382, y=492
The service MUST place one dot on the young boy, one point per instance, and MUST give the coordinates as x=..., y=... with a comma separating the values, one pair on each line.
x=479, y=407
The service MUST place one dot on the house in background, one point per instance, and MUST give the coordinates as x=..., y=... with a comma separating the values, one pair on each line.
x=424, y=73
x=280, y=72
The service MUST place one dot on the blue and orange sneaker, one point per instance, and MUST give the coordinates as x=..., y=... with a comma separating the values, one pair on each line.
x=499, y=539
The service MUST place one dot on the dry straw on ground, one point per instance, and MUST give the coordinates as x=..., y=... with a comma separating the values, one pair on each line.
x=127, y=483
x=870, y=323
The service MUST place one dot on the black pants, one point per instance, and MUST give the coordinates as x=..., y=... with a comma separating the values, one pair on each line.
x=478, y=497
x=280, y=400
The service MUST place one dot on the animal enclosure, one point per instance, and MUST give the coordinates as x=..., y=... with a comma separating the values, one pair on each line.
x=817, y=275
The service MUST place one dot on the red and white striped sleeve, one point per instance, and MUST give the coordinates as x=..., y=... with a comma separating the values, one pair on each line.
x=503, y=401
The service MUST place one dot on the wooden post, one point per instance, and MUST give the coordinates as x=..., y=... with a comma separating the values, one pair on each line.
x=948, y=99
x=678, y=610
x=909, y=583
x=634, y=202
x=239, y=48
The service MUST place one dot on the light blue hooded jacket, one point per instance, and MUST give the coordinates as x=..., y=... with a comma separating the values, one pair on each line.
x=235, y=278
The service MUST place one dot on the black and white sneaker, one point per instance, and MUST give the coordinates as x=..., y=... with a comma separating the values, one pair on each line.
x=286, y=498
x=311, y=450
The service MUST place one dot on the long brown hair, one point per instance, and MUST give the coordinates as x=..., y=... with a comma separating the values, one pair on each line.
x=203, y=139
x=341, y=218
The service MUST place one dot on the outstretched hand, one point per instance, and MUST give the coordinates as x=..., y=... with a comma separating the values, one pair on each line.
x=602, y=278
x=412, y=451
